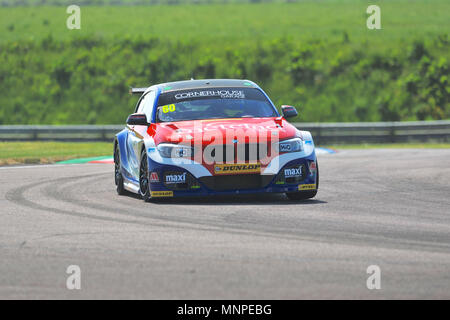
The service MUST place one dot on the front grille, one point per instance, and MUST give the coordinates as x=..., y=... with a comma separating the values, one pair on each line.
x=236, y=182
x=241, y=153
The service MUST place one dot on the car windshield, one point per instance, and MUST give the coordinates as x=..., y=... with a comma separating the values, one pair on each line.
x=214, y=103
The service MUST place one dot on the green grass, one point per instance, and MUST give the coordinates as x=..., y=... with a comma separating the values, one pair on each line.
x=231, y=23
x=315, y=54
x=49, y=152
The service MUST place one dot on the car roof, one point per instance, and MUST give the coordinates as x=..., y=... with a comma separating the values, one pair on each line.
x=205, y=83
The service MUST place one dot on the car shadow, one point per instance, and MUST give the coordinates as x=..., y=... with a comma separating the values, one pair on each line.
x=242, y=200
x=238, y=199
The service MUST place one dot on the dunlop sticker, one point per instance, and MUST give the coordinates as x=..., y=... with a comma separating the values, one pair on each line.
x=236, y=168
x=162, y=194
x=306, y=187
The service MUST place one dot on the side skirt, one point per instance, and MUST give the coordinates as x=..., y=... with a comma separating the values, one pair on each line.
x=130, y=186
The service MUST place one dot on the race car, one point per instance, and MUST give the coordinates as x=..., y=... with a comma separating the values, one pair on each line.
x=212, y=137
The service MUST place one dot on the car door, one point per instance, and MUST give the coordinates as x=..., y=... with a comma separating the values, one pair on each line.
x=135, y=138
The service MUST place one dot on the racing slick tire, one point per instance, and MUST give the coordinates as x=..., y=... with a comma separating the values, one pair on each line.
x=144, y=185
x=303, y=195
x=118, y=178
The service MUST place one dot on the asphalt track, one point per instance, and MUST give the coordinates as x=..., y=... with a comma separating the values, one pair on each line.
x=389, y=208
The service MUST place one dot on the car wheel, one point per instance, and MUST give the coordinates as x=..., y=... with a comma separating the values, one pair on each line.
x=144, y=186
x=118, y=178
x=303, y=195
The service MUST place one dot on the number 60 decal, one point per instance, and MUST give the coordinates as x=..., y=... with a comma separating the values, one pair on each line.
x=168, y=108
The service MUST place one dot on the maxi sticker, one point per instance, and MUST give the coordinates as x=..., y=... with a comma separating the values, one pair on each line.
x=237, y=168
x=223, y=94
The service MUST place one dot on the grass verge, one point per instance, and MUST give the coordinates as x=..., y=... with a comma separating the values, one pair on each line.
x=50, y=152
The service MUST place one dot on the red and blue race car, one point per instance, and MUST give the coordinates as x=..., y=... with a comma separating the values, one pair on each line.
x=208, y=137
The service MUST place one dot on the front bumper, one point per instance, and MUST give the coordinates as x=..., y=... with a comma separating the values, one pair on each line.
x=181, y=183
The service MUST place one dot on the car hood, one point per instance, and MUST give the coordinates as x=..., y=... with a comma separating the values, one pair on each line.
x=221, y=131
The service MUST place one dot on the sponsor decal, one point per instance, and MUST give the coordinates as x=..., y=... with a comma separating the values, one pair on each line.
x=162, y=194
x=223, y=94
x=215, y=120
x=176, y=178
x=306, y=187
x=236, y=168
x=285, y=147
x=312, y=167
x=293, y=172
x=154, y=177
x=168, y=108
x=245, y=126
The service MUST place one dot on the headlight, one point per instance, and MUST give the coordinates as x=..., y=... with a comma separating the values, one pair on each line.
x=168, y=150
x=291, y=145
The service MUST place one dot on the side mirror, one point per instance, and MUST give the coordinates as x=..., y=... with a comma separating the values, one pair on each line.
x=137, y=119
x=289, y=111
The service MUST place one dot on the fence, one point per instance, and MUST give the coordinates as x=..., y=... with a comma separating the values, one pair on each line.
x=378, y=132
x=323, y=133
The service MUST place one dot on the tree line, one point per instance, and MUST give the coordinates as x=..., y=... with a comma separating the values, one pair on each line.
x=85, y=80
